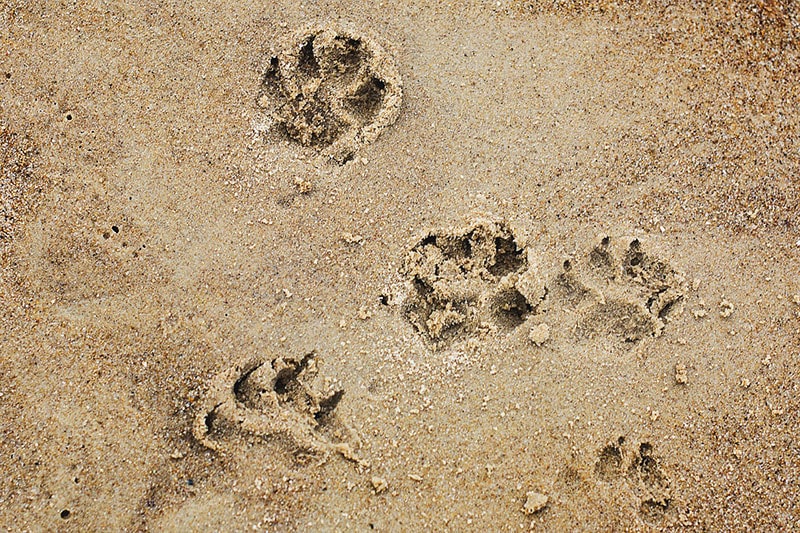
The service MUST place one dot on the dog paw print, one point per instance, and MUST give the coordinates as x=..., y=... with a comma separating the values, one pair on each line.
x=619, y=290
x=278, y=398
x=459, y=281
x=332, y=90
x=650, y=482
x=642, y=473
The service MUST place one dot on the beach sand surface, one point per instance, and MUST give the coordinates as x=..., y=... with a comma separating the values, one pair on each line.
x=399, y=266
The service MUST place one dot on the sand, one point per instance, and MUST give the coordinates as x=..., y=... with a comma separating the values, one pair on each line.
x=399, y=266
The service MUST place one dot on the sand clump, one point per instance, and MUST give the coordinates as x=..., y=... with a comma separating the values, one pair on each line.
x=534, y=502
x=681, y=375
x=539, y=334
x=379, y=484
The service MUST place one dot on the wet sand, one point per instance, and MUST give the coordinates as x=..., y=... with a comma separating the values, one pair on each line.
x=399, y=267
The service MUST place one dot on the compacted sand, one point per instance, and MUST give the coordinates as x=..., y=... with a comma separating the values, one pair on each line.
x=399, y=266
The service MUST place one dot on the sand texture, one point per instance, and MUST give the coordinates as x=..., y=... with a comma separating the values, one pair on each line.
x=400, y=266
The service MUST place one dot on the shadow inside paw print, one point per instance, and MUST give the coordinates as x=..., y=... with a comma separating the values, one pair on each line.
x=642, y=474
x=279, y=398
x=619, y=291
x=462, y=280
x=609, y=461
x=332, y=90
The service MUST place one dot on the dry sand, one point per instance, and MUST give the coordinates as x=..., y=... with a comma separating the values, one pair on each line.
x=399, y=266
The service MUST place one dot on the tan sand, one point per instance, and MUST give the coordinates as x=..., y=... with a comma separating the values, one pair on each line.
x=399, y=266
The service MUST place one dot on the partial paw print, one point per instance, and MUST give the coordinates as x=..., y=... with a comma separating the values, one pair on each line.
x=278, y=398
x=460, y=281
x=642, y=473
x=332, y=90
x=619, y=290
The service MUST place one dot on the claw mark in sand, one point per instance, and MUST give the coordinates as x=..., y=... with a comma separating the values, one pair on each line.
x=333, y=90
x=278, y=398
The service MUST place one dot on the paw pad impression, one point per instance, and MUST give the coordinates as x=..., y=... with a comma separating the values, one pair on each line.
x=274, y=398
x=621, y=290
x=332, y=90
x=465, y=279
x=643, y=473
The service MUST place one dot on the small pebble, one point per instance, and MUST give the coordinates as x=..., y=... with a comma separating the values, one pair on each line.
x=534, y=503
x=379, y=484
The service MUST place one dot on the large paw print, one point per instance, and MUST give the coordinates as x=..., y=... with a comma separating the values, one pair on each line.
x=462, y=280
x=279, y=397
x=619, y=291
x=332, y=90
